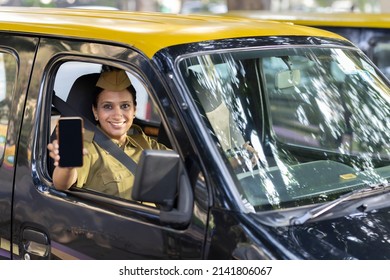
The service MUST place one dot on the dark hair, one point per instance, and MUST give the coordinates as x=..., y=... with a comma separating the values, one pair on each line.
x=99, y=90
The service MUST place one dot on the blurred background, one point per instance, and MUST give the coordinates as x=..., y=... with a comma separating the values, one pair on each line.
x=213, y=6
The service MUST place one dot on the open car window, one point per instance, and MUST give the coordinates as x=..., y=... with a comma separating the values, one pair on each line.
x=80, y=79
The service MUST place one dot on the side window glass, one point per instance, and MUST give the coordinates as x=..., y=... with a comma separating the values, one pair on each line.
x=8, y=70
x=381, y=56
x=114, y=113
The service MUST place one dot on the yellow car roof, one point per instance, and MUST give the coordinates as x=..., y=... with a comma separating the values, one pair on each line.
x=343, y=19
x=149, y=32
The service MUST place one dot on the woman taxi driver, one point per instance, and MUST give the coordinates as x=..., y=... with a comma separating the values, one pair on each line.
x=114, y=109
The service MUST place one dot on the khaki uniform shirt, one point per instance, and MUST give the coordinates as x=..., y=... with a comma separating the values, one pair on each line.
x=102, y=172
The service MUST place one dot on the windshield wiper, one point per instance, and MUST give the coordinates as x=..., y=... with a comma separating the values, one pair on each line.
x=323, y=208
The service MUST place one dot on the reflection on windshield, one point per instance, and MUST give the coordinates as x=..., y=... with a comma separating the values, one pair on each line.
x=297, y=126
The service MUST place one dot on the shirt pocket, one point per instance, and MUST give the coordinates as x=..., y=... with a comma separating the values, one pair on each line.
x=117, y=182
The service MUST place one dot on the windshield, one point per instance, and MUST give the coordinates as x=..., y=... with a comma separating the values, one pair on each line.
x=296, y=126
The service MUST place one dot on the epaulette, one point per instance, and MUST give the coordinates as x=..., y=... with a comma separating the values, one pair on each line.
x=136, y=134
x=135, y=130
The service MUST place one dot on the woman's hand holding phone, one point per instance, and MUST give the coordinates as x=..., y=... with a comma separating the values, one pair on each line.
x=68, y=149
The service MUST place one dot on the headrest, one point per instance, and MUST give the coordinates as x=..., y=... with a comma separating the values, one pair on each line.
x=81, y=94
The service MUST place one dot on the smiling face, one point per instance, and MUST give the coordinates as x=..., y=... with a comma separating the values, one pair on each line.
x=115, y=111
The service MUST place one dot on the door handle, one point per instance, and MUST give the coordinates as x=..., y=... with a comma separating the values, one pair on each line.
x=35, y=243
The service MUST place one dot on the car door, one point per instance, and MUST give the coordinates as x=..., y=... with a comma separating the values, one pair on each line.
x=82, y=224
x=16, y=57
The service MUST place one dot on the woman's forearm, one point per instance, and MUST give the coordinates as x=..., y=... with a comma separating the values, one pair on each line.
x=64, y=177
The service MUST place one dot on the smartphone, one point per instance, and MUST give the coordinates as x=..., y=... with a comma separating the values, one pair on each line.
x=70, y=141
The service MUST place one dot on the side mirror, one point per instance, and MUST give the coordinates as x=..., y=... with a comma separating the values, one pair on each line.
x=161, y=179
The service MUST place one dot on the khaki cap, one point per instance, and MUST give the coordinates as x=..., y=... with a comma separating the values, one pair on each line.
x=114, y=80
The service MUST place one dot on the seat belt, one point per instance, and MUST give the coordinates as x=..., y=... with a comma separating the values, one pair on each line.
x=99, y=136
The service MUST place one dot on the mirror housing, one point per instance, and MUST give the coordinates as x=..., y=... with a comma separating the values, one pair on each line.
x=161, y=179
x=156, y=178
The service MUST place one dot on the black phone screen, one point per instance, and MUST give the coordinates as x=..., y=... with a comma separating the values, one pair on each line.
x=70, y=140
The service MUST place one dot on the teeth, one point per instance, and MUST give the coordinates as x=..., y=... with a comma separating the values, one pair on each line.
x=116, y=124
